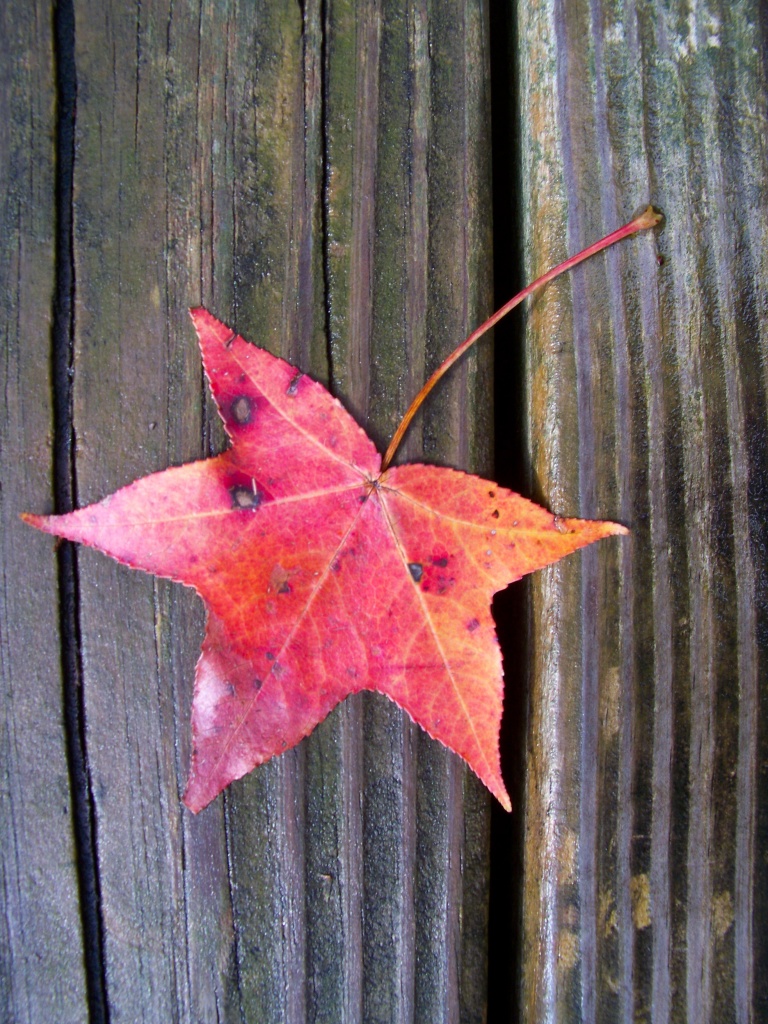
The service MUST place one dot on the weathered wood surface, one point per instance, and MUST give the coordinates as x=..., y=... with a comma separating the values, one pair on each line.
x=42, y=975
x=645, y=870
x=318, y=175
x=272, y=167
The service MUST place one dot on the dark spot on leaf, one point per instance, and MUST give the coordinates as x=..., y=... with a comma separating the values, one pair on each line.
x=277, y=670
x=436, y=582
x=491, y=494
x=245, y=497
x=293, y=387
x=495, y=513
x=257, y=684
x=230, y=339
x=269, y=656
x=436, y=579
x=472, y=625
x=230, y=689
x=241, y=410
x=416, y=569
x=363, y=498
x=335, y=566
x=278, y=580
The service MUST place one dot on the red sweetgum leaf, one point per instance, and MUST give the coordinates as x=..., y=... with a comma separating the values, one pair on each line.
x=322, y=576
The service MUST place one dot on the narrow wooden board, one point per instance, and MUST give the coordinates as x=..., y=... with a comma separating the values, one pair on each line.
x=346, y=880
x=42, y=974
x=644, y=892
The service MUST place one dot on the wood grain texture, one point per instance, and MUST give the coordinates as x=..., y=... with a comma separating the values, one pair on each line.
x=346, y=880
x=317, y=175
x=407, y=149
x=42, y=974
x=644, y=889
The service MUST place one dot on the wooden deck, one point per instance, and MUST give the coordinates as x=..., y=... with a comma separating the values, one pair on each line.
x=319, y=175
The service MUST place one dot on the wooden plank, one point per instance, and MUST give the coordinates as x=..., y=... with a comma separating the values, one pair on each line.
x=408, y=270
x=644, y=884
x=149, y=135
x=209, y=144
x=277, y=301
x=41, y=960
x=359, y=838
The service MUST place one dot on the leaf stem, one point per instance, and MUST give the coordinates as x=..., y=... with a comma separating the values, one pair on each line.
x=647, y=219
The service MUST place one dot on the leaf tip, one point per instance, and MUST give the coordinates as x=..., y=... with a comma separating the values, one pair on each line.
x=192, y=803
x=39, y=522
x=210, y=330
x=495, y=784
x=198, y=314
x=197, y=795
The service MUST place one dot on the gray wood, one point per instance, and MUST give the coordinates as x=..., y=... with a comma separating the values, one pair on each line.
x=346, y=880
x=409, y=274
x=645, y=814
x=362, y=850
x=148, y=141
x=42, y=974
